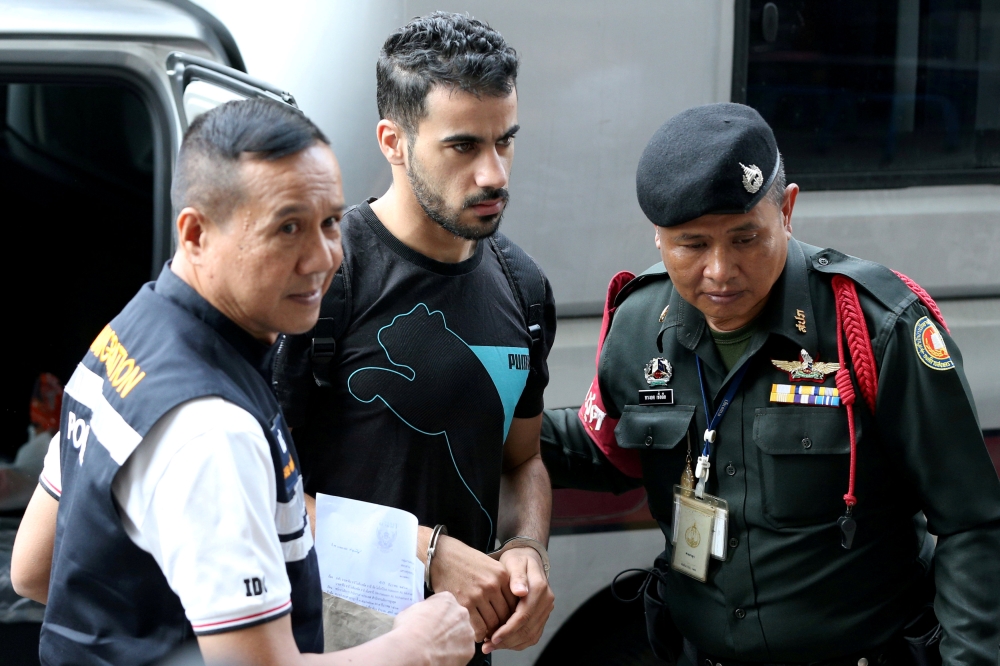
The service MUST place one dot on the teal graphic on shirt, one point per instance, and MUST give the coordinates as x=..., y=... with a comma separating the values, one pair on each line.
x=439, y=385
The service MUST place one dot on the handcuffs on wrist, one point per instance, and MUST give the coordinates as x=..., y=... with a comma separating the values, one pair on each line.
x=513, y=542
x=523, y=542
x=431, y=547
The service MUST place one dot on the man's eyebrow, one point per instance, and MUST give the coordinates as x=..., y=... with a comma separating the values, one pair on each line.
x=289, y=209
x=511, y=132
x=462, y=138
x=749, y=226
x=472, y=138
x=688, y=236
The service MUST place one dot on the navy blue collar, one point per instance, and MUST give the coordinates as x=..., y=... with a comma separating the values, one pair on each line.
x=256, y=353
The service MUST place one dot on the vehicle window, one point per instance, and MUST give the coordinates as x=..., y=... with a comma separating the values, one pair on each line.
x=76, y=163
x=874, y=94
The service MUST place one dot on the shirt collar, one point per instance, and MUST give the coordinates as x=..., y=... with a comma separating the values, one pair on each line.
x=790, y=311
x=172, y=287
x=789, y=296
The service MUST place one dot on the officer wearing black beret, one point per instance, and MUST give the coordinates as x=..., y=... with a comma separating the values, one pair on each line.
x=801, y=422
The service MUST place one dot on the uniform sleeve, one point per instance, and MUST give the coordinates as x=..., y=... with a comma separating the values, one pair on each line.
x=532, y=402
x=574, y=460
x=927, y=417
x=207, y=516
x=51, y=477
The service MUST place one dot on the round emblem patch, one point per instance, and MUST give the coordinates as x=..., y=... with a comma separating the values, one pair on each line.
x=930, y=345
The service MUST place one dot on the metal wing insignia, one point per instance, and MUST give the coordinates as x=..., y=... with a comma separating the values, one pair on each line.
x=792, y=366
x=826, y=368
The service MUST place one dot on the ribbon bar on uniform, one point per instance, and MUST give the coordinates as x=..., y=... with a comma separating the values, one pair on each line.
x=828, y=396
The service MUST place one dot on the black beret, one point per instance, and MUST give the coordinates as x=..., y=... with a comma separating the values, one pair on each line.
x=717, y=158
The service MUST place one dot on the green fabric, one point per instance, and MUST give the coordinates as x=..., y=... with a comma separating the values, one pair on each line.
x=787, y=591
x=732, y=344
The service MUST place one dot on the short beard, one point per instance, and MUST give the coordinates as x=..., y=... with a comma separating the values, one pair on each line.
x=435, y=207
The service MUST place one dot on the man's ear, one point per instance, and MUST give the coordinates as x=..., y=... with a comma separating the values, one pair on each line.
x=192, y=234
x=391, y=141
x=791, y=193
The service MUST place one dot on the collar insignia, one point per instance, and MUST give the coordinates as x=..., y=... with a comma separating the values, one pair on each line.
x=800, y=321
x=663, y=315
x=806, y=369
x=658, y=372
x=752, y=178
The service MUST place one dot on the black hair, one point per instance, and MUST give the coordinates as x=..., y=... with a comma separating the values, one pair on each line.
x=207, y=176
x=453, y=50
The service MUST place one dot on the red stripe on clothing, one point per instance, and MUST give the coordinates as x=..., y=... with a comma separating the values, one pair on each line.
x=241, y=619
x=51, y=485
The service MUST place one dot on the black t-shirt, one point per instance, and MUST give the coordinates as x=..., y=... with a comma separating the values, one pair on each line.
x=430, y=368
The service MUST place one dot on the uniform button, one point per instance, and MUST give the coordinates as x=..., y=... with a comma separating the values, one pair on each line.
x=740, y=614
x=733, y=542
x=649, y=440
x=730, y=470
x=862, y=662
x=823, y=261
x=806, y=443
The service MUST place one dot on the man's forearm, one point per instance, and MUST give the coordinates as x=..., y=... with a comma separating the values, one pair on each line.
x=574, y=461
x=525, y=501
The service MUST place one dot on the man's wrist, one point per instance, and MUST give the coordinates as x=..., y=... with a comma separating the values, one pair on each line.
x=522, y=542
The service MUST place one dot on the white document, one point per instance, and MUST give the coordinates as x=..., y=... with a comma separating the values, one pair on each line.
x=367, y=554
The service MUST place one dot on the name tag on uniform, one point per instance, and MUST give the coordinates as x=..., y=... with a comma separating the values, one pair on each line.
x=656, y=397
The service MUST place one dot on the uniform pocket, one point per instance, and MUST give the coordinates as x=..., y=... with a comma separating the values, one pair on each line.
x=653, y=426
x=804, y=455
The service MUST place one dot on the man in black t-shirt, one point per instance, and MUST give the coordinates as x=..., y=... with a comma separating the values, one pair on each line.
x=434, y=394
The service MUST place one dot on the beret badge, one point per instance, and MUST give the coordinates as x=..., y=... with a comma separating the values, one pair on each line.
x=752, y=178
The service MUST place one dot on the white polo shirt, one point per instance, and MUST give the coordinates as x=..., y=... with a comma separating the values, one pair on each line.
x=199, y=495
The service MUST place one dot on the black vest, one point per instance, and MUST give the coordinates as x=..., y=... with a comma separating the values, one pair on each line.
x=109, y=602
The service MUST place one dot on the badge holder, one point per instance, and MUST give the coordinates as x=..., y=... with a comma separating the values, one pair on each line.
x=700, y=526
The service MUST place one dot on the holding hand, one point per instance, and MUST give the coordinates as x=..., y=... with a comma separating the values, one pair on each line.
x=535, y=602
x=479, y=583
x=440, y=627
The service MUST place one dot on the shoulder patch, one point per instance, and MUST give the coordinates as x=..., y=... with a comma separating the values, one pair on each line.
x=930, y=345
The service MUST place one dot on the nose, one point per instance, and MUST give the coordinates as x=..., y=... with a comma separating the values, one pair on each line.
x=322, y=254
x=492, y=170
x=720, y=267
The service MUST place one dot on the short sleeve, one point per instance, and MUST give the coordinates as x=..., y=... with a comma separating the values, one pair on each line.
x=199, y=496
x=532, y=400
x=51, y=477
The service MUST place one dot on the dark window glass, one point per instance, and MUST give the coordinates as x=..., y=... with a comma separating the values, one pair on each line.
x=76, y=175
x=875, y=94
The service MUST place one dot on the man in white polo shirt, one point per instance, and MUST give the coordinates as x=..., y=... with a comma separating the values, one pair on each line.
x=171, y=503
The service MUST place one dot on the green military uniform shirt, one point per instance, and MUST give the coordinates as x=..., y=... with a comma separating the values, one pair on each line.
x=787, y=591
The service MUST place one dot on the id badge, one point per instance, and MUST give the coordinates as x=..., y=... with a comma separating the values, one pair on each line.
x=699, y=531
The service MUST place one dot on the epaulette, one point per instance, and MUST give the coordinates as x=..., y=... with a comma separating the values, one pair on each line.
x=883, y=284
x=654, y=273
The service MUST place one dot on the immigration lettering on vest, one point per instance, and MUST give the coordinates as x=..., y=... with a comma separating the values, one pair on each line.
x=123, y=372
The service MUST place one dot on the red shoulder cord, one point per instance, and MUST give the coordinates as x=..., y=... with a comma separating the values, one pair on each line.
x=851, y=324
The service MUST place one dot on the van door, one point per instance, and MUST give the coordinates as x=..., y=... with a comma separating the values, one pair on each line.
x=201, y=85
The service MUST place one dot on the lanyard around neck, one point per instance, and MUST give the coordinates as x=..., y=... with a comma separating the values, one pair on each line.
x=713, y=421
